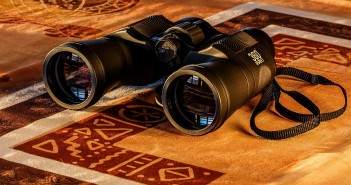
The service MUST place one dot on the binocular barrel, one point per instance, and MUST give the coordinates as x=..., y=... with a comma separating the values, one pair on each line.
x=198, y=98
x=76, y=75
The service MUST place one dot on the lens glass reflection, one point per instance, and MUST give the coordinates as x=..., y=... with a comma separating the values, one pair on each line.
x=77, y=78
x=195, y=101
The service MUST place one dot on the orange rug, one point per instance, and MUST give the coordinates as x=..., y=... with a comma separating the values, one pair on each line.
x=126, y=139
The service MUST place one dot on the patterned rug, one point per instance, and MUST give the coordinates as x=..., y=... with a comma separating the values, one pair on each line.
x=126, y=139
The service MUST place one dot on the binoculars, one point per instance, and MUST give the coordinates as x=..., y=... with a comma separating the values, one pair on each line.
x=210, y=74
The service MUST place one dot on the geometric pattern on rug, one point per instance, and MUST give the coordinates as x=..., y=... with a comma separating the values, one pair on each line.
x=92, y=143
x=259, y=18
x=289, y=48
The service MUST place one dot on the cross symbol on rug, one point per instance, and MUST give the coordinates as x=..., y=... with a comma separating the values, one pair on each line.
x=146, y=115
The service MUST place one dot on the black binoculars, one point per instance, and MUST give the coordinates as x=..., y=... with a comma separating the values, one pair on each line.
x=210, y=74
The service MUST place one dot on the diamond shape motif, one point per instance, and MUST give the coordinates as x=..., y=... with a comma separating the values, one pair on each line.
x=178, y=173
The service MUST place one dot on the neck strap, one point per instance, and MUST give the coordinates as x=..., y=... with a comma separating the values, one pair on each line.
x=308, y=121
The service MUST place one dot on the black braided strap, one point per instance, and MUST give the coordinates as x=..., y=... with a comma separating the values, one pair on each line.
x=315, y=79
x=309, y=121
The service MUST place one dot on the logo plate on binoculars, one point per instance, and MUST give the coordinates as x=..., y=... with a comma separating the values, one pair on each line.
x=256, y=57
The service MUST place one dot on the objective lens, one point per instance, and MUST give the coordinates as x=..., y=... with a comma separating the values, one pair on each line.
x=68, y=76
x=190, y=103
x=77, y=81
x=196, y=101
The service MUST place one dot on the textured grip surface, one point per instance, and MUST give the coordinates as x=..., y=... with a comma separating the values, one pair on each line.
x=236, y=42
x=149, y=27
